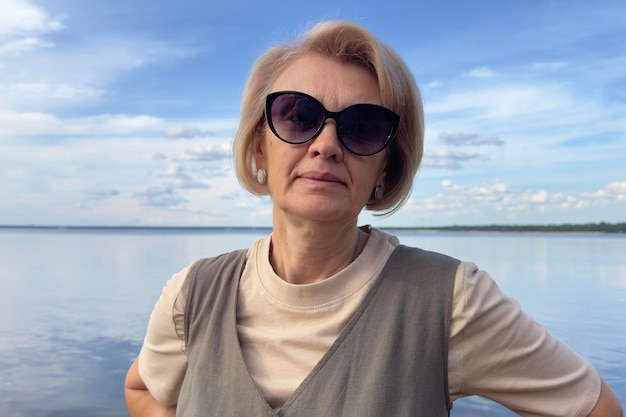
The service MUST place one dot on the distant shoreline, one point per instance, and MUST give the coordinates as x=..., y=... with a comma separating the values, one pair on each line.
x=601, y=227
x=550, y=228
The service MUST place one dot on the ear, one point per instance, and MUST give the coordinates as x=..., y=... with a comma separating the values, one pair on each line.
x=259, y=146
x=381, y=179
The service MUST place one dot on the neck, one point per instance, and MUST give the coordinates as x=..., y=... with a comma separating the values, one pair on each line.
x=303, y=254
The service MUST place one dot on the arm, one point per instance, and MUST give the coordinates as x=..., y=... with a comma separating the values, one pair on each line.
x=155, y=377
x=498, y=352
x=608, y=405
x=139, y=401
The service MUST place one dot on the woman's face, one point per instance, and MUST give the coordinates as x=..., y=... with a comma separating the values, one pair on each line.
x=320, y=180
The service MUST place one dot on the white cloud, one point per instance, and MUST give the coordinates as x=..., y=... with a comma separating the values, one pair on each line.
x=66, y=75
x=181, y=178
x=99, y=195
x=206, y=153
x=17, y=46
x=447, y=159
x=187, y=132
x=502, y=101
x=479, y=202
x=121, y=123
x=613, y=191
x=16, y=124
x=481, y=72
x=539, y=197
x=160, y=196
x=549, y=66
x=29, y=94
x=434, y=84
x=617, y=188
x=470, y=139
x=41, y=75
x=22, y=18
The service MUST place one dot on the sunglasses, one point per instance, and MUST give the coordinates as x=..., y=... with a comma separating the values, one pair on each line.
x=363, y=129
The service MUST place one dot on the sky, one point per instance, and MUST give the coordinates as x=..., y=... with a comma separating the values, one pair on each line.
x=121, y=113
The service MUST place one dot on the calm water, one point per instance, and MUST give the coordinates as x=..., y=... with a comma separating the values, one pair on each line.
x=75, y=304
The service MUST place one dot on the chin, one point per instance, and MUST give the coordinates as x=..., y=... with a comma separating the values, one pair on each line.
x=325, y=212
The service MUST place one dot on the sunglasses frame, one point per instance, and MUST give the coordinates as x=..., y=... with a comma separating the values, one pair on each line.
x=271, y=98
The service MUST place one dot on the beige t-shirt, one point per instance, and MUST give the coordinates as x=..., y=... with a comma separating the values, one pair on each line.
x=495, y=350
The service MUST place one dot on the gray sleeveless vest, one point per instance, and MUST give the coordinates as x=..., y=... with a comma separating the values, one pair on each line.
x=389, y=360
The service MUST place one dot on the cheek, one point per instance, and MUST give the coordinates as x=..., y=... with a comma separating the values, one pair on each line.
x=378, y=169
x=280, y=160
x=282, y=153
x=366, y=177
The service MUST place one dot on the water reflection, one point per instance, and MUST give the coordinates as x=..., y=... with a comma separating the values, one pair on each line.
x=66, y=377
x=75, y=305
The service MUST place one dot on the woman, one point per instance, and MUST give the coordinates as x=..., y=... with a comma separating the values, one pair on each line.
x=326, y=318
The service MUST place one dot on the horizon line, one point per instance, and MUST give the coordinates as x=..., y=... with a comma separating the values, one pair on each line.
x=183, y=227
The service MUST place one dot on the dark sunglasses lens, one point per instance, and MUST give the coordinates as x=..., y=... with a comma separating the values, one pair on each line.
x=365, y=128
x=296, y=118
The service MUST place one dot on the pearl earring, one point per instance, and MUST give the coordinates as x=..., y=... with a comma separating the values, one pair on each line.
x=378, y=193
x=261, y=176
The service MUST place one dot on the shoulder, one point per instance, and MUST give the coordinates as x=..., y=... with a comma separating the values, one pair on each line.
x=206, y=273
x=424, y=255
x=182, y=283
x=217, y=262
x=423, y=263
x=408, y=254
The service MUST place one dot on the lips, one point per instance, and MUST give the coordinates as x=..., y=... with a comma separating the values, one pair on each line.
x=321, y=176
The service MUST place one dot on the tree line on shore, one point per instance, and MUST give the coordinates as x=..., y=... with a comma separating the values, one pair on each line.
x=601, y=227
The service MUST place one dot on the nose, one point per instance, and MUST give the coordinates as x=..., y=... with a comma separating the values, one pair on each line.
x=326, y=144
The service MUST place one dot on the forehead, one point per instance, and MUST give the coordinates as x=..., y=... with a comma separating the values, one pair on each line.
x=337, y=84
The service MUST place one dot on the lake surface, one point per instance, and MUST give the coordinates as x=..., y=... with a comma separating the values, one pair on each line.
x=75, y=304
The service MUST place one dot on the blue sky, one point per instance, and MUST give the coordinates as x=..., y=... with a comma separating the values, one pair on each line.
x=122, y=112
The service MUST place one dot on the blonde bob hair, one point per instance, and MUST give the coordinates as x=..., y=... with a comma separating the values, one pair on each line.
x=351, y=43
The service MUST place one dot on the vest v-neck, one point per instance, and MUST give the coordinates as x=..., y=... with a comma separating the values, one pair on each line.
x=390, y=359
x=333, y=348
x=232, y=318
x=313, y=301
x=285, y=329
